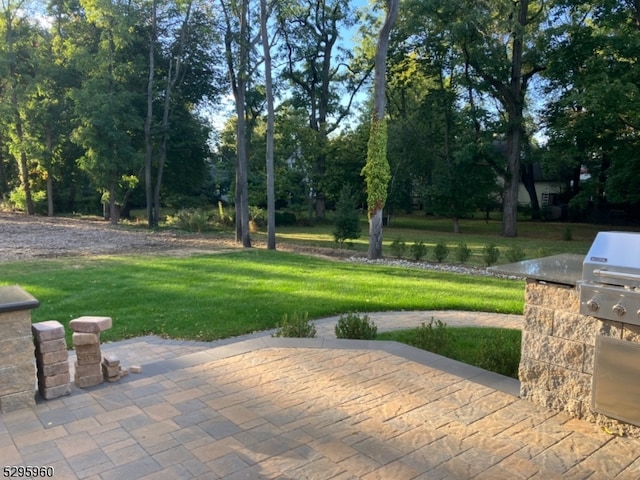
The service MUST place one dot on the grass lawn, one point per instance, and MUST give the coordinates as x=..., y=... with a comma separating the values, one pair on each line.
x=536, y=239
x=214, y=296
x=493, y=349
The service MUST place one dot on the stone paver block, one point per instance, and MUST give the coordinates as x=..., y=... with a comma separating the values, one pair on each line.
x=53, y=368
x=110, y=360
x=89, y=324
x=48, y=346
x=53, y=380
x=88, y=380
x=49, y=393
x=49, y=330
x=52, y=357
x=85, y=339
x=88, y=370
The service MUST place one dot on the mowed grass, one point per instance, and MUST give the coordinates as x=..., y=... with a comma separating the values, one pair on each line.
x=214, y=296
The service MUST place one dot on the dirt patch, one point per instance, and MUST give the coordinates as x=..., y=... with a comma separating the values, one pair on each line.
x=24, y=237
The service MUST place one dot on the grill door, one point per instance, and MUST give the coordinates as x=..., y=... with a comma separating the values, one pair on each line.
x=616, y=379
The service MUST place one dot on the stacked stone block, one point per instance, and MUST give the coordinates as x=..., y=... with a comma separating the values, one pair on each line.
x=111, y=368
x=51, y=359
x=558, y=345
x=86, y=341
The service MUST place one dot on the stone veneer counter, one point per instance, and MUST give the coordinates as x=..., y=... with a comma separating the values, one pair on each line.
x=17, y=364
x=558, y=342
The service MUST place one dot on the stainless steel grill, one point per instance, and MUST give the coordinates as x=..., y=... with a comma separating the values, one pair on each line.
x=610, y=285
x=610, y=290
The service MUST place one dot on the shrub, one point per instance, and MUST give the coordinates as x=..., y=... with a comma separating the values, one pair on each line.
x=418, y=251
x=296, y=327
x=398, y=247
x=354, y=327
x=191, y=220
x=499, y=354
x=515, y=254
x=490, y=254
x=432, y=337
x=225, y=219
x=567, y=236
x=347, y=219
x=462, y=252
x=441, y=251
x=285, y=219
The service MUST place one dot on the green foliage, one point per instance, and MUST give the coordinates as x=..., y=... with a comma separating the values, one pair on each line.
x=224, y=218
x=418, y=250
x=567, y=236
x=18, y=200
x=347, y=220
x=463, y=252
x=499, y=353
x=377, y=172
x=354, y=327
x=490, y=254
x=398, y=247
x=441, y=252
x=432, y=336
x=515, y=253
x=296, y=326
x=285, y=219
x=191, y=220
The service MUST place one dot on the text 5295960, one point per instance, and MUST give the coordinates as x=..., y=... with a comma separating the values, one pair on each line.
x=19, y=471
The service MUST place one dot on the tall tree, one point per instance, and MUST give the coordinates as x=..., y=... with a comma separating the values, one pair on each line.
x=376, y=171
x=320, y=72
x=237, y=50
x=271, y=194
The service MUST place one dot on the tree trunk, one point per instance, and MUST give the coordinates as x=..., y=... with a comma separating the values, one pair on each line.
x=528, y=180
x=271, y=194
x=148, y=187
x=377, y=169
x=49, y=154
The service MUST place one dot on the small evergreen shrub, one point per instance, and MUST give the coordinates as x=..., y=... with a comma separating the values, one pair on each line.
x=398, y=247
x=462, y=252
x=515, y=254
x=441, y=252
x=296, y=327
x=490, y=254
x=354, y=327
x=418, y=251
x=432, y=337
x=347, y=219
x=567, y=236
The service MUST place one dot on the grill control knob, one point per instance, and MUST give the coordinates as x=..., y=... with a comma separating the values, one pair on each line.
x=619, y=309
x=592, y=305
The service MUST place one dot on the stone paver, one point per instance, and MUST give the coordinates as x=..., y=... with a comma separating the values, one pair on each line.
x=262, y=407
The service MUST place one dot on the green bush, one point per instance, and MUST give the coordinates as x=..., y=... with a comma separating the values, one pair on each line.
x=462, y=252
x=398, y=247
x=490, y=254
x=225, y=218
x=567, y=236
x=515, y=254
x=347, y=219
x=296, y=327
x=441, y=252
x=432, y=337
x=418, y=251
x=18, y=200
x=191, y=220
x=499, y=354
x=354, y=327
x=285, y=219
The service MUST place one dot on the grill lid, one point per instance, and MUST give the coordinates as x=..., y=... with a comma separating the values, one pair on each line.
x=614, y=258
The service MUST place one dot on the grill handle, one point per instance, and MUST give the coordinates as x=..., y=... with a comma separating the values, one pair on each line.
x=619, y=275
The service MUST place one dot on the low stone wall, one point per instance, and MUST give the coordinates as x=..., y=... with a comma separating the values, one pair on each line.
x=558, y=345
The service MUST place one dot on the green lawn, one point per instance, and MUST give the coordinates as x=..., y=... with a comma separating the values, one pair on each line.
x=220, y=295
